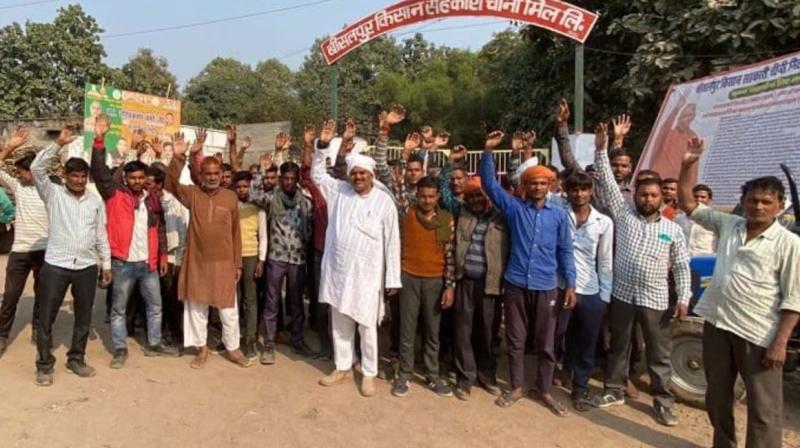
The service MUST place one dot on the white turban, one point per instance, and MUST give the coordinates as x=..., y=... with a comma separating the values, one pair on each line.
x=360, y=161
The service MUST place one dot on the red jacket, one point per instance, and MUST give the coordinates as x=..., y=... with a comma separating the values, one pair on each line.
x=120, y=211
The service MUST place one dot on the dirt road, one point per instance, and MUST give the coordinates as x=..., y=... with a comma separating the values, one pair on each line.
x=156, y=402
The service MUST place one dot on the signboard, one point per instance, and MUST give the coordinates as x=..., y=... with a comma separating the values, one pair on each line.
x=553, y=15
x=128, y=113
x=749, y=118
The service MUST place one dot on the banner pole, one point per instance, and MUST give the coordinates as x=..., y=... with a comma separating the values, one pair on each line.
x=579, y=88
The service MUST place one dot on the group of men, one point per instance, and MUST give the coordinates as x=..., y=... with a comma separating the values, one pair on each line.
x=551, y=256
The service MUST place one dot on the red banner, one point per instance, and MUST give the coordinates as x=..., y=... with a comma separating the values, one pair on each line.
x=554, y=15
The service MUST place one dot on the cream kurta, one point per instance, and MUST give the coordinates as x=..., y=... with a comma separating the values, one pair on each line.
x=362, y=247
x=214, y=244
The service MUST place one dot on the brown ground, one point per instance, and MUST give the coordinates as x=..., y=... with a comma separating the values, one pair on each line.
x=162, y=402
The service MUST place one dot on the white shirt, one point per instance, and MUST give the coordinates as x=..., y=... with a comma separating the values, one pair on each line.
x=77, y=225
x=593, y=245
x=753, y=281
x=176, y=218
x=30, y=227
x=362, y=247
x=138, y=250
x=699, y=241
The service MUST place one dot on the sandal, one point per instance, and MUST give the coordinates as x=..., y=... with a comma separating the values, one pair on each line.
x=199, y=361
x=506, y=400
x=553, y=405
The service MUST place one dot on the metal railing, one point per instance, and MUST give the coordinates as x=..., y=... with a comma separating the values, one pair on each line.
x=437, y=158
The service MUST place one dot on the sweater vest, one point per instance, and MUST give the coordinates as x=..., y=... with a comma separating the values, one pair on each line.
x=422, y=254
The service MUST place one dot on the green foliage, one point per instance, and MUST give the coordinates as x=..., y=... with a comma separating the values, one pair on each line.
x=44, y=66
x=146, y=73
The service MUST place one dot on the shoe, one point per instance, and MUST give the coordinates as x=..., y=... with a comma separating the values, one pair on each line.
x=200, y=359
x=268, y=356
x=368, y=388
x=250, y=352
x=631, y=391
x=44, y=379
x=236, y=357
x=440, y=386
x=335, y=378
x=303, y=350
x=120, y=356
x=581, y=402
x=400, y=387
x=462, y=393
x=665, y=416
x=491, y=389
x=3, y=346
x=608, y=399
x=81, y=369
x=162, y=350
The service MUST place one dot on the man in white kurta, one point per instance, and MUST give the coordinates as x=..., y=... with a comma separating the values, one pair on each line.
x=362, y=258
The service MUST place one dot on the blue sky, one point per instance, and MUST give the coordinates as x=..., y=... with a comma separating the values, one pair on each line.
x=285, y=35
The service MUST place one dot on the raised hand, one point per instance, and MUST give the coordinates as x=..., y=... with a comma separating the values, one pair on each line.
x=201, y=134
x=493, y=140
x=622, y=125
x=65, y=137
x=601, y=137
x=349, y=130
x=694, y=149
x=517, y=141
x=561, y=114
x=100, y=126
x=328, y=131
x=230, y=130
x=265, y=161
x=19, y=138
x=157, y=145
x=412, y=141
x=441, y=140
x=246, y=144
x=395, y=115
x=458, y=153
x=282, y=141
x=309, y=134
x=178, y=144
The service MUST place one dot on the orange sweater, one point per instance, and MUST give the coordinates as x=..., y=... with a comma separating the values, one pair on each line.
x=422, y=254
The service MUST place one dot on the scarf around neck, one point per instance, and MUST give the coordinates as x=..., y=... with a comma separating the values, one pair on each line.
x=440, y=224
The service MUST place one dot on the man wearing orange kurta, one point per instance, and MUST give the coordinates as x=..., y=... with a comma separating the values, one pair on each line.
x=212, y=263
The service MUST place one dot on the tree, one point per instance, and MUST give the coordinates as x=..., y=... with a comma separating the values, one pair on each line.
x=44, y=66
x=223, y=90
x=146, y=73
x=275, y=99
x=359, y=72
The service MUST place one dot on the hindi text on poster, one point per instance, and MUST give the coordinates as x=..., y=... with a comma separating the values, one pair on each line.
x=553, y=15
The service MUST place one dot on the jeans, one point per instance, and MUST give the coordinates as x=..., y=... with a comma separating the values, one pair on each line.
x=293, y=273
x=581, y=332
x=55, y=282
x=126, y=276
x=19, y=265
